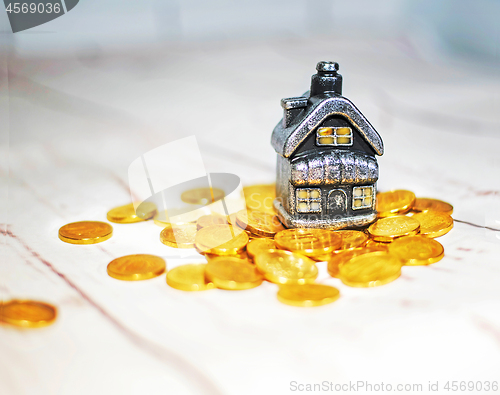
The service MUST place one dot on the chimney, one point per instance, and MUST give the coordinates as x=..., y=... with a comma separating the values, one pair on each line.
x=292, y=107
x=326, y=80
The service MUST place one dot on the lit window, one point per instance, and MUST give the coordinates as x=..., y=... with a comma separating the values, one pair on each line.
x=334, y=136
x=362, y=197
x=308, y=200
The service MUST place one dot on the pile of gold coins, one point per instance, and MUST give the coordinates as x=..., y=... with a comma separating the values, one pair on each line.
x=251, y=246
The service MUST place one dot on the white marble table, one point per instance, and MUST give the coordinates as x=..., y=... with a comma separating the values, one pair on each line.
x=76, y=123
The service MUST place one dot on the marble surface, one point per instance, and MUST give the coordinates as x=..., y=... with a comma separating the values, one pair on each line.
x=76, y=123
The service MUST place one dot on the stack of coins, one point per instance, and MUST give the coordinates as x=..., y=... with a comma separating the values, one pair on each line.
x=245, y=248
x=402, y=235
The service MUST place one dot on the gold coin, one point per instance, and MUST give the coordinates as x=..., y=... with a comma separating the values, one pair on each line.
x=417, y=250
x=256, y=246
x=307, y=295
x=259, y=222
x=180, y=235
x=252, y=236
x=322, y=258
x=309, y=242
x=136, y=267
x=161, y=219
x=202, y=196
x=394, y=202
x=27, y=313
x=370, y=270
x=221, y=240
x=373, y=243
x=389, y=228
x=427, y=204
x=338, y=259
x=352, y=239
x=85, y=232
x=231, y=220
x=209, y=220
x=146, y=210
x=285, y=267
x=433, y=223
x=189, y=278
x=260, y=197
x=233, y=273
x=179, y=216
x=239, y=255
x=127, y=214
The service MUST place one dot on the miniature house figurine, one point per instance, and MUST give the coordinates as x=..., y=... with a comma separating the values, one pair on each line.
x=326, y=170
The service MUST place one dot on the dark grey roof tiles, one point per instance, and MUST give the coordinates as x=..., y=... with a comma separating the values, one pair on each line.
x=285, y=140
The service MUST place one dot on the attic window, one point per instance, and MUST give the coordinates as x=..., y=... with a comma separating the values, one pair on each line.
x=362, y=197
x=334, y=136
x=308, y=200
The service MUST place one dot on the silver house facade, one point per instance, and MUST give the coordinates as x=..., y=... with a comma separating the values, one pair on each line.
x=327, y=168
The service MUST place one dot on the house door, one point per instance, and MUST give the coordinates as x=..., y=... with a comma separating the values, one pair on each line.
x=337, y=201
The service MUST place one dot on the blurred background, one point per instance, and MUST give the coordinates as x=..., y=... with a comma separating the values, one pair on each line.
x=107, y=81
x=464, y=28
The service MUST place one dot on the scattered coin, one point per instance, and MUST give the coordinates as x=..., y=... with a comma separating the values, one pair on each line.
x=189, y=278
x=123, y=215
x=202, y=196
x=259, y=222
x=146, y=210
x=260, y=197
x=381, y=244
x=426, y=204
x=433, y=223
x=370, y=270
x=27, y=313
x=251, y=236
x=161, y=219
x=127, y=214
x=307, y=295
x=352, y=239
x=338, y=259
x=390, y=228
x=285, y=267
x=256, y=246
x=85, y=232
x=322, y=258
x=309, y=242
x=417, y=250
x=211, y=219
x=240, y=255
x=221, y=240
x=394, y=202
x=180, y=235
x=231, y=220
x=136, y=267
x=233, y=274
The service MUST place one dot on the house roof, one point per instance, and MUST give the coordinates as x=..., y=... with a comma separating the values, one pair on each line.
x=285, y=140
x=333, y=167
